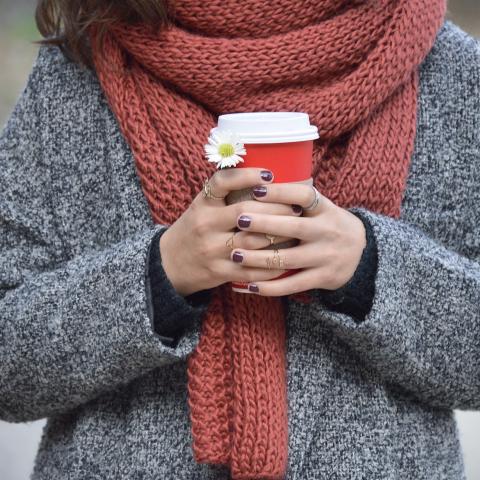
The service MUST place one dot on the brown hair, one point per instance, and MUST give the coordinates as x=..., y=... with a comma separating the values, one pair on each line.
x=65, y=23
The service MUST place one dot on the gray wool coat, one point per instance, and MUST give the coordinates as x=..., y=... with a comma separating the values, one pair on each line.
x=367, y=400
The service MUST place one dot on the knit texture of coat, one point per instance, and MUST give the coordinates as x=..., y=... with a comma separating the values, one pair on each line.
x=353, y=67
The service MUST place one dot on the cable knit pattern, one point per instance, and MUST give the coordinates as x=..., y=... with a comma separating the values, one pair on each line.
x=354, y=68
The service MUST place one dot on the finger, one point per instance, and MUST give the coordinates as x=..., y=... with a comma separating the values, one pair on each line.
x=251, y=240
x=237, y=273
x=287, y=226
x=290, y=193
x=230, y=213
x=302, y=256
x=298, y=282
x=222, y=182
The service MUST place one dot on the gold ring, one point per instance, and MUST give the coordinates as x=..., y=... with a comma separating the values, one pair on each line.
x=229, y=242
x=272, y=262
x=271, y=238
x=207, y=191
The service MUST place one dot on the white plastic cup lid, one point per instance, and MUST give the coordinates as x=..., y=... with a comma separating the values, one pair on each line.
x=268, y=127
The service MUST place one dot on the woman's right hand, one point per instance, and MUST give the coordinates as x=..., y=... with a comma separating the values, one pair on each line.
x=193, y=249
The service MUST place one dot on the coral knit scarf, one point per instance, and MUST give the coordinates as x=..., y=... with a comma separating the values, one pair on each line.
x=353, y=67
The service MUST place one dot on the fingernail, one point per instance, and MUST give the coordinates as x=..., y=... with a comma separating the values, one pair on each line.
x=260, y=191
x=253, y=288
x=237, y=257
x=266, y=175
x=297, y=208
x=244, y=221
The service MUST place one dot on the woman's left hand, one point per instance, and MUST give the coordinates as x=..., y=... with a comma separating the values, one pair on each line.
x=331, y=241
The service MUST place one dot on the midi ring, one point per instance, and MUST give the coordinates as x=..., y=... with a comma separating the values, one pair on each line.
x=271, y=238
x=315, y=201
x=207, y=191
x=229, y=242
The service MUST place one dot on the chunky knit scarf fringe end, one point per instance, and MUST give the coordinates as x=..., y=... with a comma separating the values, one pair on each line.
x=353, y=66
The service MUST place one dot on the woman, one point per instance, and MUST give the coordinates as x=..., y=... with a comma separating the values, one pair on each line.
x=118, y=322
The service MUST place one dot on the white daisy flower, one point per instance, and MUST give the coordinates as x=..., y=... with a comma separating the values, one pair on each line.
x=224, y=149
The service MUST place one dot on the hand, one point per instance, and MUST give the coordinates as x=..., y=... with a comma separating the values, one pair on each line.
x=332, y=240
x=194, y=252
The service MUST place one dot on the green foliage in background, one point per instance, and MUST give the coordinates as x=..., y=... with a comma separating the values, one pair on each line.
x=17, y=34
x=21, y=27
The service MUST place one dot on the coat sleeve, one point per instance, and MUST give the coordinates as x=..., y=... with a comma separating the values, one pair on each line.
x=356, y=296
x=71, y=327
x=172, y=313
x=422, y=333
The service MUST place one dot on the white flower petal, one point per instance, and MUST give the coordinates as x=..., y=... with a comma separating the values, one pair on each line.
x=229, y=137
x=240, y=149
x=237, y=158
x=222, y=137
x=230, y=161
x=214, y=158
x=210, y=149
x=234, y=138
x=217, y=138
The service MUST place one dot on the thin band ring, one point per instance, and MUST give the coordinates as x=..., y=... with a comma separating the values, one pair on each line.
x=315, y=201
x=229, y=242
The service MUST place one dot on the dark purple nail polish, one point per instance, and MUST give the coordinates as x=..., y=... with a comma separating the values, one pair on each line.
x=297, y=208
x=253, y=288
x=237, y=257
x=266, y=175
x=260, y=191
x=244, y=221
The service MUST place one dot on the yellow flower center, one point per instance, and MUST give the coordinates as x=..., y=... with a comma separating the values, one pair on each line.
x=226, y=150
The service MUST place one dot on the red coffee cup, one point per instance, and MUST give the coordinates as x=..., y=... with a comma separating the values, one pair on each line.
x=278, y=141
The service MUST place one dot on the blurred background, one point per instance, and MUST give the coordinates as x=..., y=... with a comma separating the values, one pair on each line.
x=19, y=442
